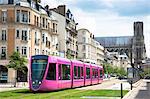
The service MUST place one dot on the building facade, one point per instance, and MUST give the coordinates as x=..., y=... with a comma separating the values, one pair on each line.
x=89, y=50
x=25, y=27
x=67, y=32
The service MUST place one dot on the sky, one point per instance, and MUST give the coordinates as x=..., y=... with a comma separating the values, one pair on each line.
x=109, y=17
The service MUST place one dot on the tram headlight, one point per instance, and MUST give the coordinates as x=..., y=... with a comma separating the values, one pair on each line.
x=33, y=82
x=39, y=82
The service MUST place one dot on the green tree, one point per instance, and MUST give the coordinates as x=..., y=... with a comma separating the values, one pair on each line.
x=18, y=63
x=38, y=1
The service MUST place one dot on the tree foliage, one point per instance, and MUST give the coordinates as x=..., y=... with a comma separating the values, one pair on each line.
x=38, y=1
x=17, y=62
x=108, y=69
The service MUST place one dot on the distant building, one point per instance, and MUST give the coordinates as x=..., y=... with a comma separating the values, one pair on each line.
x=121, y=44
x=67, y=31
x=117, y=60
x=89, y=49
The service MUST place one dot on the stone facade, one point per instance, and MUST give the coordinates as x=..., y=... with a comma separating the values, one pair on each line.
x=89, y=49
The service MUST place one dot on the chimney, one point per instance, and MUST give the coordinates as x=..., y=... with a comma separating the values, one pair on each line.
x=61, y=9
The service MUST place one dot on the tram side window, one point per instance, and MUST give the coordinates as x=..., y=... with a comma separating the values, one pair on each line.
x=59, y=72
x=51, y=75
x=79, y=72
x=96, y=73
x=82, y=73
x=93, y=73
x=65, y=72
x=101, y=74
x=87, y=73
x=75, y=72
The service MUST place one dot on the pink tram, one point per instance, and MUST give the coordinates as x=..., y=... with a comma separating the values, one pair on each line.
x=48, y=73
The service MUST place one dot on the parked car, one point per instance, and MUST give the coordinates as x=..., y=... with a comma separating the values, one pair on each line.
x=122, y=77
x=147, y=77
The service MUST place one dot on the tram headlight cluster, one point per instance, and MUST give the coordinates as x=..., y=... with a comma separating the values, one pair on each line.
x=33, y=82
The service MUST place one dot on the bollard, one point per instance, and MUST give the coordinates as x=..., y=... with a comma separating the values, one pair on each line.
x=121, y=91
x=131, y=85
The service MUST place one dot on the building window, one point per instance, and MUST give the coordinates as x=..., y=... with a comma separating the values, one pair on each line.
x=4, y=35
x=84, y=39
x=4, y=16
x=35, y=51
x=42, y=51
x=24, y=16
x=17, y=33
x=18, y=16
x=29, y=17
x=37, y=24
x=17, y=48
x=53, y=27
x=34, y=19
x=84, y=55
x=43, y=37
x=3, y=53
x=83, y=48
x=24, y=51
x=46, y=23
x=43, y=22
x=24, y=35
x=38, y=51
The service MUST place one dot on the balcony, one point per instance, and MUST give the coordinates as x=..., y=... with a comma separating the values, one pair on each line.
x=72, y=30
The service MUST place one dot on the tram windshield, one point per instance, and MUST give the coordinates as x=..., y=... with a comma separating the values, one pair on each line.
x=38, y=68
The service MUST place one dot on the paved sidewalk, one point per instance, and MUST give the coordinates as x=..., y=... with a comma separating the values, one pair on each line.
x=112, y=84
x=141, y=90
x=9, y=86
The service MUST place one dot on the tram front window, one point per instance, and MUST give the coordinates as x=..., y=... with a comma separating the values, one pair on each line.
x=38, y=68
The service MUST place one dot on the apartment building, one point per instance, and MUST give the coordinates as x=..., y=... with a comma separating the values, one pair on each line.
x=89, y=50
x=100, y=53
x=28, y=28
x=67, y=32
